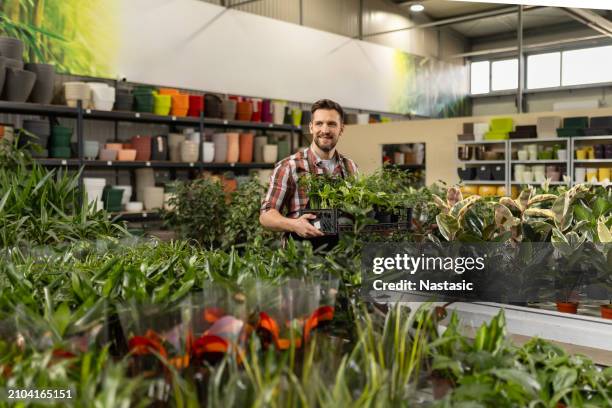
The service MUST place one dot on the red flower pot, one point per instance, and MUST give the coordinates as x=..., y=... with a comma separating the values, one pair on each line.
x=606, y=311
x=196, y=105
x=142, y=144
x=567, y=307
x=244, y=111
x=246, y=147
x=257, y=106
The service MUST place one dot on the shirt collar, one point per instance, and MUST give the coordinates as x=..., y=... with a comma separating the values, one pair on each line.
x=337, y=157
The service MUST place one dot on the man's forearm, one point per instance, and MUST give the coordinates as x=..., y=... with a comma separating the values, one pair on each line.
x=275, y=221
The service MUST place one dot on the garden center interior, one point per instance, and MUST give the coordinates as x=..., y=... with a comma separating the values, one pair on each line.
x=139, y=138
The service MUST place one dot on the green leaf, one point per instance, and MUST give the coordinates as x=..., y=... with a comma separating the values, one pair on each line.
x=564, y=377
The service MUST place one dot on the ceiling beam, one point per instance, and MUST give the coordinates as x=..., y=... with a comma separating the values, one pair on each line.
x=590, y=19
x=458, y=19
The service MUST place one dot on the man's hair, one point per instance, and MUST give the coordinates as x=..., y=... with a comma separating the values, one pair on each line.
x=328, y=104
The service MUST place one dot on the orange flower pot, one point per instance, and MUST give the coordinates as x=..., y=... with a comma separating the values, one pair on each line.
x=233, y=147
x=606, y=311
x=168, y=91
x=246, y=147
x=180, y=101
x=567, y=307
x=179, y=111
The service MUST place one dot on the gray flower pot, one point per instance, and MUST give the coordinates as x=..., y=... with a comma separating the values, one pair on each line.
x=12, y=63
x=11, y=48
x=2, y=73
x=45, y=78
x=18, y=85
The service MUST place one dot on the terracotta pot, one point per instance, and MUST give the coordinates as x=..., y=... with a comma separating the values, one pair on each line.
x=142, y=144
x=233, y=147
x=220, y=140
x=567, y=307
x=230, y=185
x=260, y=142
x=606, y=311
x=126, y=155
x=244, y=111
x=246, y=147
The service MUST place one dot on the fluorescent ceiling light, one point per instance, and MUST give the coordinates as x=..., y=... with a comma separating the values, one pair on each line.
x=588, y=4
x=417, y=7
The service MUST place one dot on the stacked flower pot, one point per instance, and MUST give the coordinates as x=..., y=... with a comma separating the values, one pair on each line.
x=16, y=83
x=60, y=142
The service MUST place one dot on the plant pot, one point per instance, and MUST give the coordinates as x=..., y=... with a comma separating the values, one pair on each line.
x=60, y=152
x=208, y=152
x=112, y=198
x=229, y=109
x=233, y=147
x=159, y=148
x=257, y=107
x=278, y=112
x=296, y=117
x=270, y=153
x=189, y=151
x=60, y=140
x=284, y=149
x=244, y=111
x=42, y=92
x=567, y=307
x=266, y=111
x=606, y=311
x=145, y=177
x=134, y=206
x=441, y=386
x=108, y=154
x=142, y=144
x=91, y=149
x=174, y=146
x=11, y=48
x=220, y=140
x=18, y=85
x=288, y=119
x=212, y=106
x=259, y=143
x=144, y=102
x=124, y=102
x=40, y=127
x=153, y=198
x=127, y=193
x=306, y=116
x=246, y=147
x=126, y=155
x=196, y=105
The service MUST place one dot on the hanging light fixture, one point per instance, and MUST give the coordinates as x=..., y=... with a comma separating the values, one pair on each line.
x=417, y=7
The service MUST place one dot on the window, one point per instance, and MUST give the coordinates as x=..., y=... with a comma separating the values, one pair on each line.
x=587, y=66
x=479, y=77
x=504, y=75
x=544, y=70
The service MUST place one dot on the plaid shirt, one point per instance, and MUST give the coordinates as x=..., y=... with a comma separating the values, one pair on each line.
x=284, y=190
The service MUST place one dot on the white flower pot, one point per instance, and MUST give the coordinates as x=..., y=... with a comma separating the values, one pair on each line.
x=208, y=152
x=270, y=153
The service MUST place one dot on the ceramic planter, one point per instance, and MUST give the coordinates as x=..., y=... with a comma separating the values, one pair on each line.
x=244, y=111
x=11, y=48
x=112, y=198
x=91, y=149
x=257, y=107
x=246, y=147
x=61, y=136
x=278, y=112
x=60, y=152
x=220, y=141
x=212, y=106
x=270, y=153
x=134, y=206
x=208, y=152
x=180, y=105
x=124, y=102
x=37, y=126
x=288, y=119
x=108, y=154
x=102, y=95
x=93, y=189
x=142, y=144
x=567, y=307
x=283, y=149
x=127, y=193
x=174, y=146
x=233, y=147
x=126, y=155
x=296, y=116
x=162, y=104
x=260, y=142
x=189, y=151
x=18, y=85
x=77, y=91
x=266, y=111
x=143, y=102
x=159, y=148
x=43, y=87
x=145, y=177
x=229, y=109
x=196, y=105
x=153, y=198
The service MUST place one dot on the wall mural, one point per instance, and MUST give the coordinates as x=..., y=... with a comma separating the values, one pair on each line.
x=111, y=38
x=77, y=36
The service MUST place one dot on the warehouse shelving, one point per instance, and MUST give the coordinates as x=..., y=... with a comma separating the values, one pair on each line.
x=580, y=141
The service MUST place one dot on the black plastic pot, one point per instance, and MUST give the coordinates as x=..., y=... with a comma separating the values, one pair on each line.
x=326, y=221
x=484, y=173
x=18, y=85
x=212, y=106
x=469, y=173
x=11, y=48
x=159, y=147
x=124, y=102
x=43, y=87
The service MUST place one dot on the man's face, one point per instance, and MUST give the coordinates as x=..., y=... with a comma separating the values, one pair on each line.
x=326, y=128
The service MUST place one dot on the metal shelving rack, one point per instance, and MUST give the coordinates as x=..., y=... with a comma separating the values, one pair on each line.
x=589, y=140
x=504, y=162
x=548, y=141
x=81, y=114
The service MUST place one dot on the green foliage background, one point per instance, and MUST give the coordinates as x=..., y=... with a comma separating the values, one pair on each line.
x=79, y=37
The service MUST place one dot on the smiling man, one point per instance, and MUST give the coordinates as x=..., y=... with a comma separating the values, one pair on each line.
x=321, y=157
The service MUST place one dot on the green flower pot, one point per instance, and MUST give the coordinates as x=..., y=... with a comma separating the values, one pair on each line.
x=112, y=198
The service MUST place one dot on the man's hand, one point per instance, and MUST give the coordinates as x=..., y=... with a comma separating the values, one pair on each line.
x=304, y=229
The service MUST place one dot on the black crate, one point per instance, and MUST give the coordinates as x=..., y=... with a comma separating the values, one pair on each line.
x=498, y=173
x=484, y=173
x=326, y=221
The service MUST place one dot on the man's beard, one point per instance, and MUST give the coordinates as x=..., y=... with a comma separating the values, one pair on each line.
x=324, y=148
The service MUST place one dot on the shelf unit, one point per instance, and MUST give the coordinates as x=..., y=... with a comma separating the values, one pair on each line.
x=565, y=144
x=80, y=114
x=580, y=141
x=476, y=163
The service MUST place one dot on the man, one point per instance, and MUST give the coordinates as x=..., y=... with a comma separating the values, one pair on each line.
x=321, y=157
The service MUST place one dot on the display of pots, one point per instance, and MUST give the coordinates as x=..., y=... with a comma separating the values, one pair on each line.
x=153, y=198
x=246, y=147
x=270, y=153
x=196, y=105
x=18, y=85
x=91, y=149
x=189, y=151
x=278, y=112
x=42, y=92
x=208, y=152
x=233, y=147
x=260, y=142
x=229, y=109
x=159, y=148
x=11, y=48
x=220, y=141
